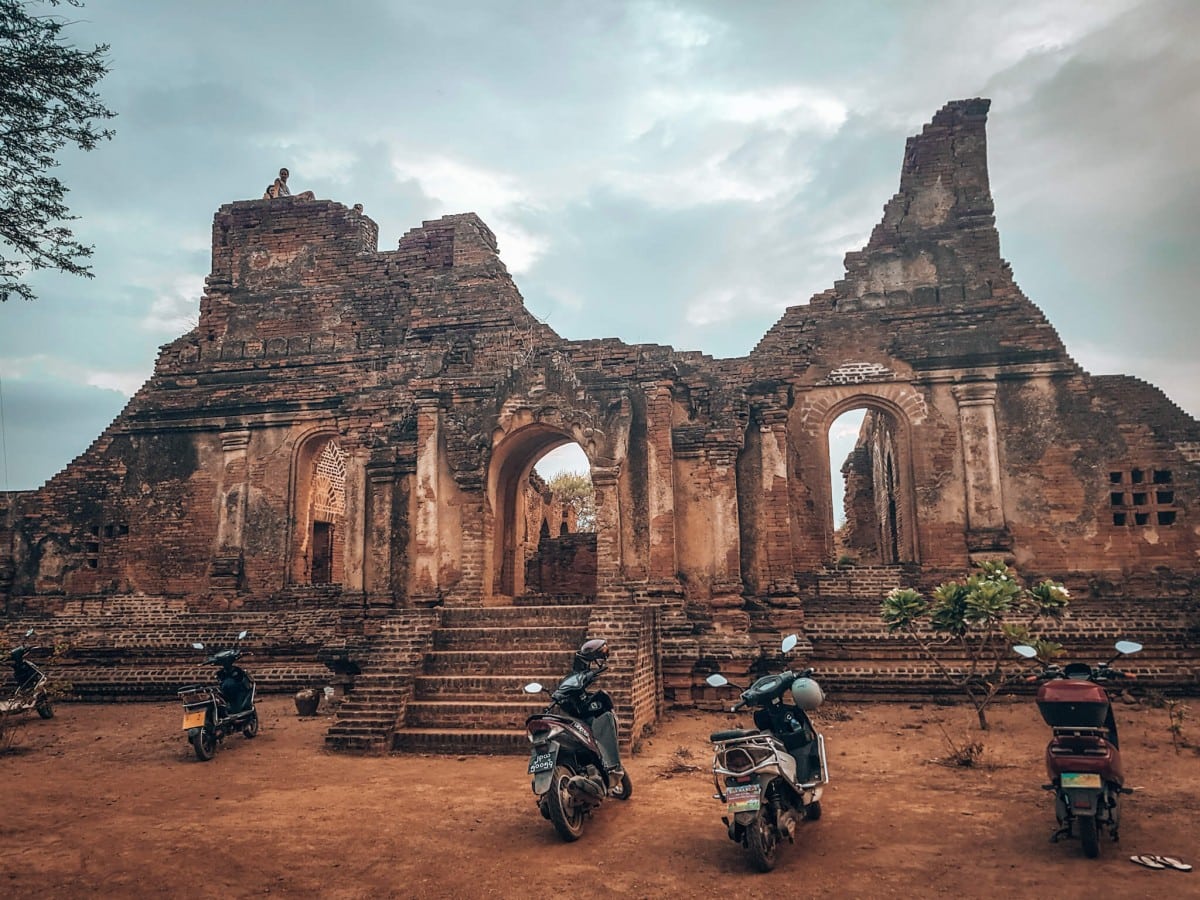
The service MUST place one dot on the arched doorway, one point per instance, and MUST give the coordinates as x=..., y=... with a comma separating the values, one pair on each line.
x=872, y=508
x=537, y=541
x=319, y=513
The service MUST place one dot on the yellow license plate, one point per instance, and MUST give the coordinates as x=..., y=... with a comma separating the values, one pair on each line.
x=194, y=719
x=1080, y=780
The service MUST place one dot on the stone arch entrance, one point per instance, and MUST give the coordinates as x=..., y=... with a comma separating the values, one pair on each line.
x=319, y=512
x=880, y=526
x=508, y=476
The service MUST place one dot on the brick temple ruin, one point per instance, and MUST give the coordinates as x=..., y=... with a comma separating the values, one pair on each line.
x=338, y=458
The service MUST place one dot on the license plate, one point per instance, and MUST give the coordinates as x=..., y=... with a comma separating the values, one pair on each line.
x=743, y=797
x=194, y=719
x=543, y=762
x=1080, y=780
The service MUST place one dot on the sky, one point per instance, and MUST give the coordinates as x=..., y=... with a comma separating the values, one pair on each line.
x=665, y=172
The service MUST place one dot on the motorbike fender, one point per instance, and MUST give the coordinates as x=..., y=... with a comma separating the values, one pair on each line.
x=542, y=780
x=1082, y=801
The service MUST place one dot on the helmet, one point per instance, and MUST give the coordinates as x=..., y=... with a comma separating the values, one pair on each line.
x=807, y=694
x=595, y=650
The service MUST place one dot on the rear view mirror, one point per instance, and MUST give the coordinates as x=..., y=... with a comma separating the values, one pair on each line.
x=716, y=679
x=1025, y=650
x=789, y=643
x=533, y=688
x=1127, y=647
x=242, y=635
x=197, y=646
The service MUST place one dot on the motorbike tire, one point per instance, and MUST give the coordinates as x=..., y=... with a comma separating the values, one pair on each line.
x=1089, y=836
x=762, y=842
x=568, y=822
x=625, y=791
x=204, y=742
x=812, y=812
x=45, y=710
x=251, y=729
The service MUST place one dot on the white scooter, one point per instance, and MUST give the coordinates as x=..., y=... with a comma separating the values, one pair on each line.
x=771, y=777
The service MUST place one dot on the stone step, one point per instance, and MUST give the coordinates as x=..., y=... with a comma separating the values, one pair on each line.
x=477, y=714
x=461, y=741
x=511, y=616
x=545, y=637
x=494, y=688
x=498, y=662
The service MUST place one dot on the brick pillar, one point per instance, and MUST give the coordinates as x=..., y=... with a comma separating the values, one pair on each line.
x=773, y=554
x=354, y=554
x=660, y=475
x=426, y=540
x=379, y=514
x=609, y=574
x=727, y=588
x=232, y=495
x=987, y=530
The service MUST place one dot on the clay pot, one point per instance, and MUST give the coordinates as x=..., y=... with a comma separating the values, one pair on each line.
x=307, y=702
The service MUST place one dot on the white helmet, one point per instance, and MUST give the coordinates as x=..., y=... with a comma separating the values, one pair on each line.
x=807, y=694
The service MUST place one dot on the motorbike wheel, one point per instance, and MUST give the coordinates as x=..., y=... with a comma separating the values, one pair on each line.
x=763, y=843
x=45, y=710
x=625, y=790
x=1089, y=836
x=204, y=742
x=812, y=812
x=251, y=729
x=568, y=821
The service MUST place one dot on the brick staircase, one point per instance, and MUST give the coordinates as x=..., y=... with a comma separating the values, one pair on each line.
x=467, y=696
x=367, y=717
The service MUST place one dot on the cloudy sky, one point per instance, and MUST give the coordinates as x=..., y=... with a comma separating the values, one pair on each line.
x=667, y=172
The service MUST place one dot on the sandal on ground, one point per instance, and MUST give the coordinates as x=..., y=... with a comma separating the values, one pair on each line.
x=1170, y=862
x=1150, y=862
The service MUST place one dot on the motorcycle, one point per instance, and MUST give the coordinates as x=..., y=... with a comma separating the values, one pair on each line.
x=212, y=712
x=771, y=777
x=31, y=691
x=574, y=760
x=1083, y=758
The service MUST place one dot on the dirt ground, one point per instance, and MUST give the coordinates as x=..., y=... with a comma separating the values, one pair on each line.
x=109, y=800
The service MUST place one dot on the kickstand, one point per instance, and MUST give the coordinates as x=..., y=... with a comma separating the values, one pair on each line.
x=1065, y=831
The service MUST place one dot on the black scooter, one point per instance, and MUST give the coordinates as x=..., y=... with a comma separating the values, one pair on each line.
x=31, y=691
x=574, y=761
x=210, y=713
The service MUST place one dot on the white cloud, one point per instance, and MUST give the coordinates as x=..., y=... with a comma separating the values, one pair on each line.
x=176, y=307
x=125, y=383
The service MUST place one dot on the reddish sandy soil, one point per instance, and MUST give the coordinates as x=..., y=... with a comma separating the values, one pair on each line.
x=109, y=801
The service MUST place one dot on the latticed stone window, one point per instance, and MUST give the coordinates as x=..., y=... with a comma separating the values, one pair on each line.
x=329, y=482
x=1142, y=497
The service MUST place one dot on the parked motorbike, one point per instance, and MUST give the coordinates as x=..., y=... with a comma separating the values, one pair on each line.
x=31, y=684
x=574, y=761
x=771, y=777
x=1082, y=758
x=212, y=712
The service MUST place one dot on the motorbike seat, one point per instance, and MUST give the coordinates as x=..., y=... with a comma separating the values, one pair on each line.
x=731, y=734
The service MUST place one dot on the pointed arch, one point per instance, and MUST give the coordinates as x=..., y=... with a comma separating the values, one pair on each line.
x=318, y=504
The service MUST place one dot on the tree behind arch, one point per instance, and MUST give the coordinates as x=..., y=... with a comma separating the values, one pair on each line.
x=575, y=490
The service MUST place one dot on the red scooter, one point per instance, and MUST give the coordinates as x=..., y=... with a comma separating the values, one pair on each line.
x=1083, y=758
